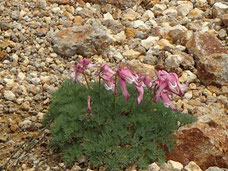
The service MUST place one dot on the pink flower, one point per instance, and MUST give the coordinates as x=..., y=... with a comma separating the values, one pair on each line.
x=80, y=68
x=127, y=76
x=108, y=74
x=166, y=84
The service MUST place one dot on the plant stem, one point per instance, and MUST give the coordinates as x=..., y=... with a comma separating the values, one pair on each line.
x=87, y=83
x=114, y=100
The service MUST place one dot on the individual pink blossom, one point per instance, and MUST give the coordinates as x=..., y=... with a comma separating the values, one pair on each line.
x=147, y=82
x=79, y=69
x=108, y=77
x=125, y=76
x=166, y=85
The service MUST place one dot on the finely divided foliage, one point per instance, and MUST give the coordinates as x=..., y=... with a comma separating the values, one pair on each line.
x=110, y=130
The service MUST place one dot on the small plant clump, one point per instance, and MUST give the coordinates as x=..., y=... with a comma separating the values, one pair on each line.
x=110, y=130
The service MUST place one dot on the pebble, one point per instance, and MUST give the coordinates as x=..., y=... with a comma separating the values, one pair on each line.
x=192, y=166
x=9, y=95
x=25, y=124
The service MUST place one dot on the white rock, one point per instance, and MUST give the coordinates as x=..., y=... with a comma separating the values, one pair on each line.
x=188, y=95
x=15, y=57
x=56, y=10
x=130, y=14
x=148, y=14
x=53, y=55
x=44, y=78
x=164, y=43
x=187, y=76
x=120, y=36
x=131, y=54
x=173, y=61
x=153, y=167
x=138, y=23
x=9, y=95
x=175, y=166
x=40, y=116
x=35, y=81
x=219, y=8
x=170, y=12
x=25, y=124
x=41, y=4
x=118, y=56
x=8, y=82
x=192, y=166
x=108, y=16
x=185, y=8
x=160, y=7
x=215, y=169
x=201, y=2
x=150, y=41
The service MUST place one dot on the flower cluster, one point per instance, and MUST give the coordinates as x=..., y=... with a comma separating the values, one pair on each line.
x=165, y=86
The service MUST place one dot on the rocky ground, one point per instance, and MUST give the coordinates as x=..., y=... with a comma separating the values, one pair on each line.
x=41, y=39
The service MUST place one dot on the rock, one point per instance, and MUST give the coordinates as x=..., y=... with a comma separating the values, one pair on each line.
x=114, y=25
x=41, y=4
x=131, y=54
x=175, y=166
x=153, y=167
x=147, y=15
x=84, y=40
x=184, y=8
x=225, y=19
x=9, y=95
x=130, y=15
x=187, y=60
x=219, y=8
x=188, y=95
x=138, y=23
x=124, y=4
x=214, y=169
x=176, y=32
x=211, y=58
x=173, y=61
x=25, y=124
x=192, y=166
x=108, y=16
x=150, y=41
x=170, y=12
x=130, y=32
x=187, y=76
x=204, y=141
x=195, y=14
x=138, y=67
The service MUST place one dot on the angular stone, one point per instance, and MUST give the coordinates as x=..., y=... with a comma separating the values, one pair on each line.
x=192, y=166
x=225, y=19
x=9, y=95
x=187, y=60
x=219, y=8
x=195, y=14
x=176, y=32
x=130, y=14
x=211, y=58
x=175, y=166
x=215, y=169
x=147, y=43
x=131, y=54
x=124, y=4
x=184, y=8
x=153, y=167
x=138, y=67
x=204, y=142
x=87, y=40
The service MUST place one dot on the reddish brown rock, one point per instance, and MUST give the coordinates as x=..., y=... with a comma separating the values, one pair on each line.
x=87, y=40
x=205, y=142
x=211, y=58
x=225, y=19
